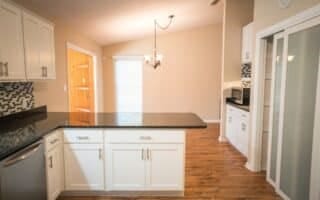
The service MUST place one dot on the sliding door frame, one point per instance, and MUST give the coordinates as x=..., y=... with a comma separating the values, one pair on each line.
x=258, y=70
x=276, y=38
x=292, y=30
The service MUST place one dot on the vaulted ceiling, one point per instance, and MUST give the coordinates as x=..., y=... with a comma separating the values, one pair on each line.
x=112, y=21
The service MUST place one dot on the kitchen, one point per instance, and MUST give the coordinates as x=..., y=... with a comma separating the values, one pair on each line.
x=114, y=100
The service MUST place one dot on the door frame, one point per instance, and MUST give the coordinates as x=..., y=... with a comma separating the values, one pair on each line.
x=258, y=72
x=95, y=71
x=315, y=166
x=276, y=38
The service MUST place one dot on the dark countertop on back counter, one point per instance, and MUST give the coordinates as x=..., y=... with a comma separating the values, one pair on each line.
x=20, y=130
x=242, y=107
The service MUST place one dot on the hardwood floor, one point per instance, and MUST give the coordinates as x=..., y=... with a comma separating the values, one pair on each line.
x=214, y=171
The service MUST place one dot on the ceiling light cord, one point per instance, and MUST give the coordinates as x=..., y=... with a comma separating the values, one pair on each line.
x=167, y=26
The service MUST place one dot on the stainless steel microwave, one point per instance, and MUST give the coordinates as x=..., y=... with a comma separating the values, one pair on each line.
x=240, y=95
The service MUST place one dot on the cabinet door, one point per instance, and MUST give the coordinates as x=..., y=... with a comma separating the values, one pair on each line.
x=32, y=46
x=126, y=167
x=243, y=133
x=229, y=123
x=54, y=166
x=46, y=54
x=165, y=167
x=84, y=166
x=39, y=48
x=247, y=38
x=11, y=43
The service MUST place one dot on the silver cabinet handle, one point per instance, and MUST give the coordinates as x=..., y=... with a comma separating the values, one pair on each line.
x=145, y=138
x=142, y=154
x=6, y=70
x=100, y=154
x=54, y=141
x=230, y=119
x=44, y=71
x=148, y=154
x=243, y=127
x=51, y=162
x=23, y=155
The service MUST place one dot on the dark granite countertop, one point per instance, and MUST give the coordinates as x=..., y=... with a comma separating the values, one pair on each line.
x=242, y=107
x=20, y=130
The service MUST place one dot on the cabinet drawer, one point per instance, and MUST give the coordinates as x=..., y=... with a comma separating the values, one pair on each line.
x=145, y=136
x=83, y=136
x=53, y=139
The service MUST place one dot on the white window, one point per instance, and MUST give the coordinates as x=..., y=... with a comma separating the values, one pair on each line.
x=128, y=79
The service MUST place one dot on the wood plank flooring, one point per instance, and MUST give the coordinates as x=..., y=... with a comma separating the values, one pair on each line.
x=214, y=171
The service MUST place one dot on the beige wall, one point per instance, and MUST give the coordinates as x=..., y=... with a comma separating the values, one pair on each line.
x=236, y=16
x=52, y=93
x=188, y=79
x=267, y=13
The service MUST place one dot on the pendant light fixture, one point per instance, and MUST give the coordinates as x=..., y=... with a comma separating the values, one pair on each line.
x=155, y=59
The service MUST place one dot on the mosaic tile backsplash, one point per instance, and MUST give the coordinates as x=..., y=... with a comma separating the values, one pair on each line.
x=246, y=71
x=16, y=97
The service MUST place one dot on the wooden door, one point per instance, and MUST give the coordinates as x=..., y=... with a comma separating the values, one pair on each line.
x=81, y=85
x=126, y=167
x=84, y=166
x=165, y=167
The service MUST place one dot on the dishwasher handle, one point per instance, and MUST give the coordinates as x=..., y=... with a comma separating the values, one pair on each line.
x=23, y=154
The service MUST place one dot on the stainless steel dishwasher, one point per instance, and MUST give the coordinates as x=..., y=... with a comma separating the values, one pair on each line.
x=23, y=174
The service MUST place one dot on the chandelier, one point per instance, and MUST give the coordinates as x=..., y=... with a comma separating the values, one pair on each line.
x=155, y=59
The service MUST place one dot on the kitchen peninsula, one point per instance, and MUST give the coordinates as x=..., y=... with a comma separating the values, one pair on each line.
x=97, y=152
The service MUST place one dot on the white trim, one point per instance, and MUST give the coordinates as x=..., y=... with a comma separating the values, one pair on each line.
x=315, y=166
x=281, y=114
x=213, y=121
x=274, y=65
x=95, y=73
x=254, y=158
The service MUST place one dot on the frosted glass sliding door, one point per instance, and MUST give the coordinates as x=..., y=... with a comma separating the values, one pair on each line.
x=275, y=107
x=299, y=104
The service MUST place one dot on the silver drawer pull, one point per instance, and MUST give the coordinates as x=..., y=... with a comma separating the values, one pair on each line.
x=54, y=141
x=145, y=138
x=83, y=137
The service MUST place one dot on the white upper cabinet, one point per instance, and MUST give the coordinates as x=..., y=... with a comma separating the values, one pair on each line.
x=39, y=48
x=11, y=43
x=247, y=44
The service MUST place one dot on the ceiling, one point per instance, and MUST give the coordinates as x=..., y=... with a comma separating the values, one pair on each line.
x=112, y=21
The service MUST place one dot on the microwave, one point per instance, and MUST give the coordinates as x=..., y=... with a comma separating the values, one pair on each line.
x=240, y=95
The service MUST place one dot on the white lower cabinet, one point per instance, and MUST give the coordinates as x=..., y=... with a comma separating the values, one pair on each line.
x=54, y=165
x=138, y=162
x=84, y=166
x=126, y=167
x=237, y=128
x=165, y=167
x=115, y=160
